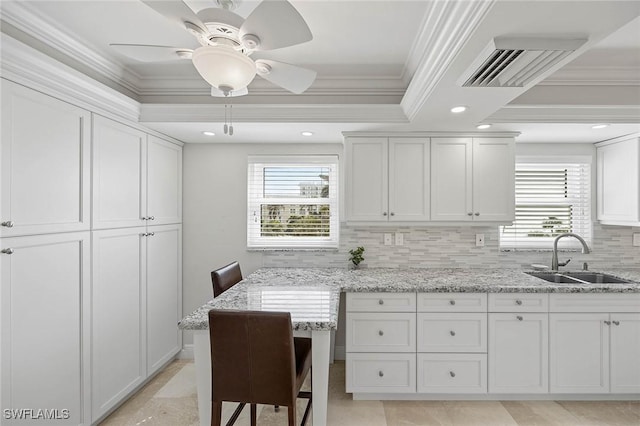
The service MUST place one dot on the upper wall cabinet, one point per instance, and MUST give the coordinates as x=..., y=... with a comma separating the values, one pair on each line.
x=387, y=179
x=618, y=176
x=472, y=179
x=45, y=164
x=137, y=179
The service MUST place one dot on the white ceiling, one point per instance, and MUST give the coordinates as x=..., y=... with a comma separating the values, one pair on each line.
x=389, y=65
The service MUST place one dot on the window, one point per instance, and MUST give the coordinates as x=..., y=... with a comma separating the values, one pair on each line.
x=551, y=199
x=293, y=202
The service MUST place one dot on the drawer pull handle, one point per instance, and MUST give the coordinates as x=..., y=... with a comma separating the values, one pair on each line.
x=380, y=302
x=608, y=322
x=518, y=302
x=381, y=333
x=384, y=214
x=380, y=373
x=453, y=333
x=452, y=374
x=7, y=251
x=616, y=322
x=519, y=317
x=452, y=302
x=8, y=224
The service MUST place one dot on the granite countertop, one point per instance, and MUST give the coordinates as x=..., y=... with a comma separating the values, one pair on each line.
x=279, y=285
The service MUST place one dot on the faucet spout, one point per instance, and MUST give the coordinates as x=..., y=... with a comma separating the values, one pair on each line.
x=554, y=258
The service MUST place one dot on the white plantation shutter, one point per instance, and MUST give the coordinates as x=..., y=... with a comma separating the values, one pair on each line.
x=551, y=199
x=292, y=202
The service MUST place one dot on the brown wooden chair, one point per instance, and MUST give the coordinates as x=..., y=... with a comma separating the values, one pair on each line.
x=256, y=360
x=226, y=277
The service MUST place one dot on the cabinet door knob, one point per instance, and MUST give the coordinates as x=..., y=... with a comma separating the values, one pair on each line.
x=7, y=251
x=608, y=322
x=392, y=214
x=380, y=373
x=519, y=317
x=380, y=302
x=8, y=224
x=616, y=322
x=380, y=333
x=151, y=234
x=144, y=218
x=453, y=333
x=518, y=302
x=144, y=234
x=452, y=302
x=384, y=214
x=477, y=213
x=452, y=374
x=470, y=214
x=154, y=218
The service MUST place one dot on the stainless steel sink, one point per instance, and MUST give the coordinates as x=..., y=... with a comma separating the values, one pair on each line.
x=578, y=277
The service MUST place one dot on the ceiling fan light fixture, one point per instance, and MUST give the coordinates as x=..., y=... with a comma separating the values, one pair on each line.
x=223, y=66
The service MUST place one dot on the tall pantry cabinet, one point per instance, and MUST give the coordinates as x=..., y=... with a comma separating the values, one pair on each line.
x=91, y=286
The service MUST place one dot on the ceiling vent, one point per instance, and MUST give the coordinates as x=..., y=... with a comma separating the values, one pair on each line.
x=514, y=62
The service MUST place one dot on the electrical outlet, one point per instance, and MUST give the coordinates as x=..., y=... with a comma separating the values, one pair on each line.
x=479, y=240
x=399, y=238
x=388, y=239
x=636, y=240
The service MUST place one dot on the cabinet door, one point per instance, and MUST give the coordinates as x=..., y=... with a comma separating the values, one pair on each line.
x=164, y=182
x=367, y=179
x=119, y=175
x=409, y=177
x=118, y=338
x=45, y=163
x=164, y=289
x=44, y=340
x=518, y=353
x=494, y=179
x=579, y=353
x=618, y=172
x=625, y=353
x=451, y=179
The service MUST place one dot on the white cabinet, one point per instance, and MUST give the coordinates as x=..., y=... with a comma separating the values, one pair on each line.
x=45, y=164
x=518, y=352
x=137, y=179
x=44, y=304
x=472, y=179
x=594, y=343
x=618, y=181
x=387, y=179
x=452, y=373
x=135, y=308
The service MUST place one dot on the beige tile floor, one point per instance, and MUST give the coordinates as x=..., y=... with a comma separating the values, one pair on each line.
x=170, y=400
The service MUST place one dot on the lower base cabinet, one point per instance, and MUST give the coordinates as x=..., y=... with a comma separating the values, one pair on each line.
x=452, y=373
x=381, y=373
x=45, y=350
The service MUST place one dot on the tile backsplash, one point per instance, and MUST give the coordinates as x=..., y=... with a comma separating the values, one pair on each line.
x=454, y=247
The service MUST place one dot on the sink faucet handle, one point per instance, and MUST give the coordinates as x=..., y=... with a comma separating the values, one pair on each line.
x=564, y=263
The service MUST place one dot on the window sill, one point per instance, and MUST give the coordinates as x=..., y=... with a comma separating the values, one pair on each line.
x=297, y=249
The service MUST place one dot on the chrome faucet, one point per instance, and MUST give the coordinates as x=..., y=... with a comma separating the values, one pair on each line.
x=554, y=258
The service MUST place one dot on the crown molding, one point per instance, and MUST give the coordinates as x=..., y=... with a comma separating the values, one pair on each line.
x=29, y=67
x=270, y=113
x=629, y=114
x=593, y=76
x=432, y=134
x=446, y=28
x=22, y=16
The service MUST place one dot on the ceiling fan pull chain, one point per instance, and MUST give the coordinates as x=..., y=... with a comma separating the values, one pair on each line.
x=231, y=119
x=226, y=128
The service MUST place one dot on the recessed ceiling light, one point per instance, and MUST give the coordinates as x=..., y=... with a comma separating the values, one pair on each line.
x=208, y=133
x=483, y=126
x=307, y=133
x=599, y=126
x=459, y=109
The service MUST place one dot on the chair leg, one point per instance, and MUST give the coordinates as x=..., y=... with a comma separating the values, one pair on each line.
x=254, y=415
x=292, y=414
x=276, y=408
x=235, y=414
x=216, y=413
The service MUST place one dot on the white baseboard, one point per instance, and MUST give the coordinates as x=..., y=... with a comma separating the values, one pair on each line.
x=340, y=353
x=186, y=352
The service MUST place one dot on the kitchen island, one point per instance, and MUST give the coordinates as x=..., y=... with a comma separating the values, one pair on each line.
x=272, y=284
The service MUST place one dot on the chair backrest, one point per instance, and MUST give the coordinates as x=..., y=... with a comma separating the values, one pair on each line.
x=252, y=357
x=225, y=278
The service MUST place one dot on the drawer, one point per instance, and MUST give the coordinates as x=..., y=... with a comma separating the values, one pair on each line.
x=384, y=332
x=518, y=302
x=380, y=373
x=381, y=302
x=452, y=302
x=594, y=302
x=443, y=332
x=452, y=373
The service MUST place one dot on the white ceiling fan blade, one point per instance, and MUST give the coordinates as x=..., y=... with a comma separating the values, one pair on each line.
x=215, y=92
x=276, y=23
x=293, y=78
x=176, y=11
x=150, y=53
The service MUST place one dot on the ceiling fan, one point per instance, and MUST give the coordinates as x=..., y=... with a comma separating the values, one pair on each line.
x=227, y=42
